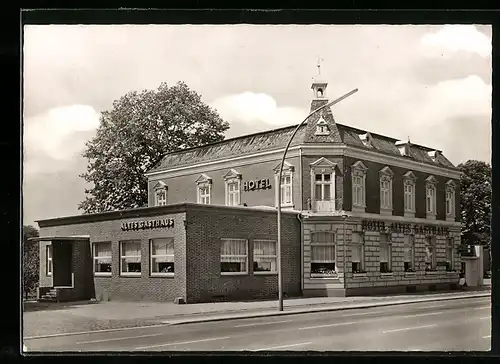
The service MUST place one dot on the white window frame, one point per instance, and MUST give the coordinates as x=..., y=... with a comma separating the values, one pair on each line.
x=232, y=177
x=430, y=197
x=159, y=188
x=168, y=256
x=388, y=243
x=450, y=254
x=430, y=242
x=325, y=167
x=358, y=173
x=95, y=258
x=450, y=200
x=409, y=179
x=322, y=127
x=272, y=257
x=237, y=256
x=130, y=274
x=409, y=244
x=333, y=244
x=288, y=171
x=49, y=267
x=386, y=176
x=204, y=182
x=358, y=243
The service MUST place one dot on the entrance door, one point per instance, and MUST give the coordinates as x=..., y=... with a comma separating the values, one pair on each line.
x=62, y=262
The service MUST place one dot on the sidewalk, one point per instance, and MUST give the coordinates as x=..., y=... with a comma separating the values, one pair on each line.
x=60, y=318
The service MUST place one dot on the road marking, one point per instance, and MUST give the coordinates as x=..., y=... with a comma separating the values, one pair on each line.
x=263, y=323
x=118, y=338
x=330, y=325
x=182, y=343
x=423, y=314
x=284, y=346
x=363, y=313
x=482, y=308
x=485, y=318
x=408, y=328
x=487, y=337
x=93, y=331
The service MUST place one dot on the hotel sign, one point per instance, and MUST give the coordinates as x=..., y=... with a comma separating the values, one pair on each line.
x=148, y=225
x=256, y=185
x=380, y=226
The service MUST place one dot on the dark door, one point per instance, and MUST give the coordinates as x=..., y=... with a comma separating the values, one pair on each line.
x=62, y=259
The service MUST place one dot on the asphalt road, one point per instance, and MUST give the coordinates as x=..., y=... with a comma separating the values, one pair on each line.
x=462, y=324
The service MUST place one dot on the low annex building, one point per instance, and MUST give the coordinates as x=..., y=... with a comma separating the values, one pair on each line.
x=363, y=214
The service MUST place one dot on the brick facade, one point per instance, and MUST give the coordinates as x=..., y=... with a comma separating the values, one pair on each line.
x=197, y=235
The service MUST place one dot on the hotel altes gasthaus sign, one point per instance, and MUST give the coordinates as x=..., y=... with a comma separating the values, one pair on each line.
x=148, y=225
x=395, y=227
x=256, y=185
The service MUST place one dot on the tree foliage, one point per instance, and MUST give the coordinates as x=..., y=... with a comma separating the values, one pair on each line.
x=133, y=137
x=475, y=201
x=31, y=261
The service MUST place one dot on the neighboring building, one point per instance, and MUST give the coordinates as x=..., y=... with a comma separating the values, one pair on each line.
x=377, y=215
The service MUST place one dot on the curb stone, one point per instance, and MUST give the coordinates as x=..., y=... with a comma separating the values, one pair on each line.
x=315, y=310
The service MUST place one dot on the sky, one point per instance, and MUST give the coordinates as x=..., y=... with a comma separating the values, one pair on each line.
x=429, y=83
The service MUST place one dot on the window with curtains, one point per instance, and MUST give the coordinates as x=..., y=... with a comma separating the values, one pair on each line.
x=48, y=263
x=130, y=258
x=234, y=256
x=162, y=256
x=357, y=253
x=409, y=253
x=264, y=256
x=385, y=254
x=430, y=254
x=102, y=258
x=323, y=254
x=449, y=254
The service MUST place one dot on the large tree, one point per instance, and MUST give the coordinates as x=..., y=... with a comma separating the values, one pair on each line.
x=475, y=201
x=133, y=137
x=31, y=262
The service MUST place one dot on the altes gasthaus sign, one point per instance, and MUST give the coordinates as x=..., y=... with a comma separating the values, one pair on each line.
x=147, y=225
x=381, y=226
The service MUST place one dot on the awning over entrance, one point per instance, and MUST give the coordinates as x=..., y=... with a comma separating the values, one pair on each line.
x=61, y=238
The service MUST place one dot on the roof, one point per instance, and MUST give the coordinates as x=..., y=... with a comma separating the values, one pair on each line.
x=278, y=138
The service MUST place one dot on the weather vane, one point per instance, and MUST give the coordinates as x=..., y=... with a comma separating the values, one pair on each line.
x=319, y=65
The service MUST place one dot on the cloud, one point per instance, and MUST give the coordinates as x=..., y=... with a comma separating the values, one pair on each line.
x=52, y=133
x=249, y=108
x=456, y=38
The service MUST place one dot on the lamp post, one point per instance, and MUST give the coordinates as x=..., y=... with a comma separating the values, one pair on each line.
x=280, y=277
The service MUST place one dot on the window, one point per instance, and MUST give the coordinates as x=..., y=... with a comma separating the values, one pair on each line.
x=430, y=256
x=450, y=199
x=409, y=256
x=358, y=184
x=409, y=193
x=322, y=127
x=323, y=254
x=48, y=254
x=204, y=189
x=234, y=256
x=233, y=185
x=102, y=258
x=386, y=176
x=286, y=189
x=162, y=256
x=130, y=258
x=385, y=254
x=264, y=256
x=430, y=200
x=449, y=254
x=323, y=186
x=357, y=253
x=160, y=194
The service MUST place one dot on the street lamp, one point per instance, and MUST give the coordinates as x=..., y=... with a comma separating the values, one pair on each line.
x=280, y=277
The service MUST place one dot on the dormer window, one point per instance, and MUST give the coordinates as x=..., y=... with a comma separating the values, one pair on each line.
x=404, y=148
x=160, y=190
x=366, y=139
x=322, y=127
x=434, y=154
